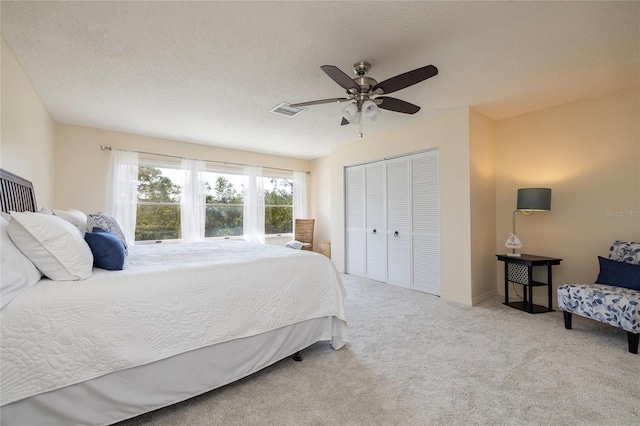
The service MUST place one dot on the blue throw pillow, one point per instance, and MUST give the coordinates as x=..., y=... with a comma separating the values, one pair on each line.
x=619, y=274
x=107, y=222
x=107, y=249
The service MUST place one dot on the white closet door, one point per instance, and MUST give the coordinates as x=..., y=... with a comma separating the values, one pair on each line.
x=425, y=222
x=355, y=220
x=398, y=222
x=376, y=235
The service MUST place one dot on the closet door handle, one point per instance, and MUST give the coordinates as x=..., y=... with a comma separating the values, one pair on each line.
x=374, y=232
x=395, y=234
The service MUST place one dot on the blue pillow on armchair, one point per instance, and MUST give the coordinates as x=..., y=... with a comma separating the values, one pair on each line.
x=619, y=274
x=108, y=250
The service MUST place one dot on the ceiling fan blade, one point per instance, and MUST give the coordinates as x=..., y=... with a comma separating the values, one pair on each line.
x=340, y=77
x=321, y=101
x=407, y=79
x=344, y=122
x=397, y=105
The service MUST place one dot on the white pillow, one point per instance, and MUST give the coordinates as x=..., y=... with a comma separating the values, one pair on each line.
x=17, y=273
x=54, y=245
x=296, y=245
x=74, y=217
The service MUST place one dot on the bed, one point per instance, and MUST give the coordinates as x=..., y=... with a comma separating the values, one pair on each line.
x=177, y=321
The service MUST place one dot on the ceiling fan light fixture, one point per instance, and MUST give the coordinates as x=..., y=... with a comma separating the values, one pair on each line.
x=350, y=113
x=364, y=93
x=370, y=109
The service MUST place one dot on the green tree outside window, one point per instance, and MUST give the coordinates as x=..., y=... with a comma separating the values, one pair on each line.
x=158, y=213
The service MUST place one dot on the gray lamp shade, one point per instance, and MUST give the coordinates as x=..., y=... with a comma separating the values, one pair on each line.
x=534, y=199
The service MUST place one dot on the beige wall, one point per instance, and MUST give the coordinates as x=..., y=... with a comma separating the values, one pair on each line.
x=81, y=166
x=321, y=198
x=450, y=133
x=588, y=153
x=482, y=170
x=27, y=136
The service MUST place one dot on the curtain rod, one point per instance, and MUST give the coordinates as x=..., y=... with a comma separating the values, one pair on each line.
x=109, y=148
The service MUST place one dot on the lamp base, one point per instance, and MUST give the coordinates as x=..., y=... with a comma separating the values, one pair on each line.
x=513, y=254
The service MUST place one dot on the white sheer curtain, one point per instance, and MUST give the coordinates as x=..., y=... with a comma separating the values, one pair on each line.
x=192, y=200
x=299, y=196
x=253, y=212
x=122, y=191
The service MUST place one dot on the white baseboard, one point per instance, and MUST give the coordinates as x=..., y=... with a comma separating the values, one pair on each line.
x=456, y=299
x=484, y=296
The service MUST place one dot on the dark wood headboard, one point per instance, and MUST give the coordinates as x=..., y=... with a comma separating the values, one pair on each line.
x=16, y=193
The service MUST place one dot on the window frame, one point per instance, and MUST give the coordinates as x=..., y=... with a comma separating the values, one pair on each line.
x=159, y=164
x=227, y=170
x=224, y=171
x=280, y=175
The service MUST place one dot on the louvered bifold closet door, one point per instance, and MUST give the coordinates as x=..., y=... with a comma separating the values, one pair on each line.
x=355, y=220
x=398, y=222
x=376, y=222
x=425, y=222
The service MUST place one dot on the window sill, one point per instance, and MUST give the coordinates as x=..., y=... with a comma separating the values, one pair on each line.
x=237, y=238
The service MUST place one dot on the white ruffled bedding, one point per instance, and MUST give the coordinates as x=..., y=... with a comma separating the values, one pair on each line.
x=169, y=299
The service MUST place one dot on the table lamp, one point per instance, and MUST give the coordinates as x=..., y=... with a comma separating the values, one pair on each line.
x=530, y=200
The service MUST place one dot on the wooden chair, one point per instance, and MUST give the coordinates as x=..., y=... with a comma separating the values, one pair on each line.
x=303, y=232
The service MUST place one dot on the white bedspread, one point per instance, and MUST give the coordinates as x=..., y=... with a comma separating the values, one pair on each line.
x=169, y=299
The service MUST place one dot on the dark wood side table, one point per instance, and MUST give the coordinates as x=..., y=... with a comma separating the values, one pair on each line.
x=519, y=270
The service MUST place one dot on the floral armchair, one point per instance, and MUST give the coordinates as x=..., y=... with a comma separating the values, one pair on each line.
x=615, y=297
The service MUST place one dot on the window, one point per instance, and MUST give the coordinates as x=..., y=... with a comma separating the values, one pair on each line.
x=158, y=212
x=223, y=216
x=159, y=190
x=278, y=206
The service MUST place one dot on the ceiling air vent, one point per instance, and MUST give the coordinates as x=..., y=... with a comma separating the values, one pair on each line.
x=287, y=110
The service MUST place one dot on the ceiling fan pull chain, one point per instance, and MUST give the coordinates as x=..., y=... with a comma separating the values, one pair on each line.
x=360, y=112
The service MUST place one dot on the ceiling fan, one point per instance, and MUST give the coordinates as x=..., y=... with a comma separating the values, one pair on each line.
x=364, y=92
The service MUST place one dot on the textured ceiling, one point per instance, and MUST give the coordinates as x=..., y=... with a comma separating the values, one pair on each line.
x=210, y=72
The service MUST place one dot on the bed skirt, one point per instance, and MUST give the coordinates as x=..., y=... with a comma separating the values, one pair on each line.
x=127, y=393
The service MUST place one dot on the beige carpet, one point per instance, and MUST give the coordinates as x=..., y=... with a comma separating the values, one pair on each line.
x=415, y=359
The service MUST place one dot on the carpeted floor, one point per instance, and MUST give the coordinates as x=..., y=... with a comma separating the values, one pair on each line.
x=415, y=359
